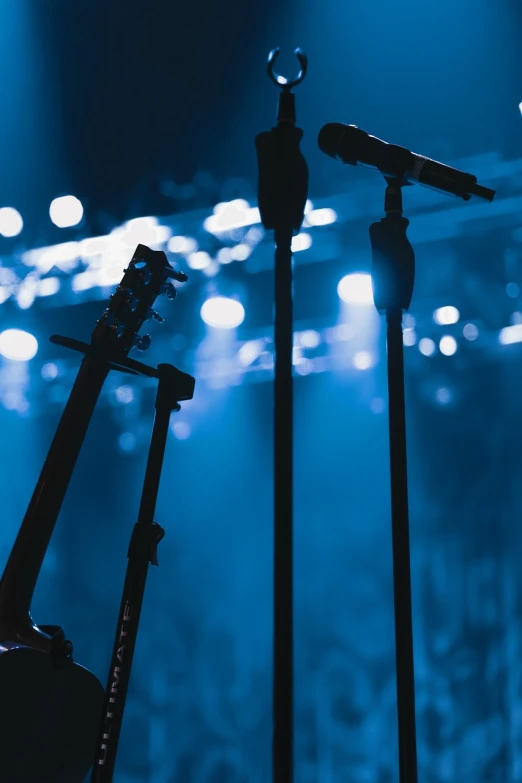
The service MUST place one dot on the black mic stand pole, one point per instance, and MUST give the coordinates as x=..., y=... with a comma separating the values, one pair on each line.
x=393, y=274
x=282, y=191
x=174, y=386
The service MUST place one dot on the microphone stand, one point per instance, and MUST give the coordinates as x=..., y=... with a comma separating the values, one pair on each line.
x=393, y=274
x=282, y=191
x=173, y=387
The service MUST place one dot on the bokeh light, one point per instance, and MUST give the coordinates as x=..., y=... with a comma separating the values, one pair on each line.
x=66, y=211
x=18, y=345
x=356, y=288
x=222, y=312
x=11, y=222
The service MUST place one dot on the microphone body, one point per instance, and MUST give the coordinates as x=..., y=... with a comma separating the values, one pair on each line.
x=352, y=145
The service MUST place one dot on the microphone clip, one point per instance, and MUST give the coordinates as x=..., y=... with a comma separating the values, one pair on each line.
x=286, y=108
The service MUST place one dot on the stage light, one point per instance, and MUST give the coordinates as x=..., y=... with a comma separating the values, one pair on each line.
x=427, y=347
x=309, y=338
x=222, y=312
x=127, y=442
x=356, y=288
x=250, y=351
x=224, y=256
x=446, y=315
x=510, y=334
x=124, y=394
x=443, y=395
x=409, y=337
x=301, y=242
x=363, y=360
x=180, y=244
x=321, y=217
x=66, y=211
x=48, y=286
x=181, y=430
x=49, y=371
x=448, y=345
x=11, y=222
x=18, y=345
x=470, y=332
x=520, y=108
x=240, y=252
x=198, y=260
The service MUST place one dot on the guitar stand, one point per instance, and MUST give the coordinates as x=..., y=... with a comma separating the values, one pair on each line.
x=174, y=386
x=393, y=274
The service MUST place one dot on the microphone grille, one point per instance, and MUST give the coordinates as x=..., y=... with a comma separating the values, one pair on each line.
x=330, y=137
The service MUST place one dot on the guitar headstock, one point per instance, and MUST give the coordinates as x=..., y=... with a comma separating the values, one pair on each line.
x=146, y=278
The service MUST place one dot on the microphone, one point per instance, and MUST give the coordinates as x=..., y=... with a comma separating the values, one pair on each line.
x=351, y=144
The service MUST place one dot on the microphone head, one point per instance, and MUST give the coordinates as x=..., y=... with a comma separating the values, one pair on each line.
x=341, y=142
x=330, y=136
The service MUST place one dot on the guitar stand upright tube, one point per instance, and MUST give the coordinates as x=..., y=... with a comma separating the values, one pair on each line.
x=173, y=387
x=393, y=274
x=282, y=191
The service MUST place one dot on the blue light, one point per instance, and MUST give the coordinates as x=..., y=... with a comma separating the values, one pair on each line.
x=124, y=394
x=127, y=442
x=49, y=371
x=18, y=345
x=66, y=211
x=356, y=288
x=222, y=312
x=363, y=360
x=11, y=222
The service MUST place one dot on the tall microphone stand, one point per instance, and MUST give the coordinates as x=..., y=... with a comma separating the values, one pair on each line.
x=393, y=274
x=282, y=191
x=174, y=386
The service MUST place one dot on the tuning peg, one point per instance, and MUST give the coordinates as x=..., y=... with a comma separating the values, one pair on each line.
x=141, y=342
x=181, y=277
x=153, y=314
x=168, y=290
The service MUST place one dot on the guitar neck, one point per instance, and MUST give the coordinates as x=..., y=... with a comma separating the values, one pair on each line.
x=25, y=562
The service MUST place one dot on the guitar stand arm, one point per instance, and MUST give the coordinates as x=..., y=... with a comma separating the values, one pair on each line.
x=174, y=386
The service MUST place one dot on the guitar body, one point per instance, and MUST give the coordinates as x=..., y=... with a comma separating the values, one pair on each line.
x=50, y=712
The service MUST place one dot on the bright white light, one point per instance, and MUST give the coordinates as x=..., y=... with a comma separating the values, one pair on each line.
x=363, y=360
x=301, y=242
x=224, y=256
x=231, y=214
x=181, y=430
x=321, y=217
x=66, y=211
x=179, y=244
x=309, y=338
x=222, y=312
x=520, y=107
x=470, y=332
x=240, y=252
x=124, y=394
x=11, y=222
x=427, y=347
x=304, y=367
x=49, y=371
x=211, y=269
x=18, y=345
x=198, y=260
x=344, y=332
x=446, y=315
x=250, y=351
x=510, y=334
x=409, y=337
x=448, y=345
x=48, y=286
x=356, y=288
x=408, y=321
